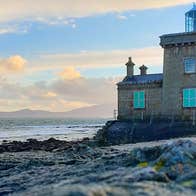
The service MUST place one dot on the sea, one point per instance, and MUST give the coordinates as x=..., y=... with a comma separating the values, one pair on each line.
x=16, y=129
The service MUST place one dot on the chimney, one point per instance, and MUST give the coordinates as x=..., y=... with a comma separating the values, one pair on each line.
x=143, y=70
x=130, y=67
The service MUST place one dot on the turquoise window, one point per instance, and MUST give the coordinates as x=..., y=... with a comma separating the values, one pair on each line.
x=139, y=99
x=190, y=65
x=189, y=97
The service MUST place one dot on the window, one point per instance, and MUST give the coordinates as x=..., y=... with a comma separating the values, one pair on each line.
x=139, y=99
x=189, y=97
x=190, y=65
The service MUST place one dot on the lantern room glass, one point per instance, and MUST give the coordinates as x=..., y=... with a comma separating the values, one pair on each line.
x=190, y=20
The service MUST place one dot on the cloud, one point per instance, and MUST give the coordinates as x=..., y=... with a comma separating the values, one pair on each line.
x=22, y=27
x=14, y=96
x=69, y=89
x=63, y=105
x=56, y=21
x=13, y=28
x=88, y=90
x=69, y=73
x=50, y=94
x=122, y=17
x=26, y=9
x=13, y=64
x=8, y=29
x=73, y=26
x=59, y=95
x=96, y=59
x=56, y=105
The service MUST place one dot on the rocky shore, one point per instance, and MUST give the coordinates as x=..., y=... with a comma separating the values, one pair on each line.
x=166, y=167
x=36, y=145
x=123, y=132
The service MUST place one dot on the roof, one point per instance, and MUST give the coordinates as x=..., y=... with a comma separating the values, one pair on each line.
x=193, y=9
x=142, y=79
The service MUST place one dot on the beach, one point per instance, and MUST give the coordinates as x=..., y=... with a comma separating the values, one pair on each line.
x=67, y=158
x=165, y=167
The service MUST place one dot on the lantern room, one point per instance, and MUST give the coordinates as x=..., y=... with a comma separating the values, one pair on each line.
x=190, y=20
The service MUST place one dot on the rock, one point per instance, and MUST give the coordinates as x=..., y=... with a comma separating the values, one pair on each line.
x=166, y=168
x=123, y=132
x=148, y=174
x=94, y=190
x=46, y=145
x=135, y=189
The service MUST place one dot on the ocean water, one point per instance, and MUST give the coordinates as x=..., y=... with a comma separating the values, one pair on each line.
x=41, y=129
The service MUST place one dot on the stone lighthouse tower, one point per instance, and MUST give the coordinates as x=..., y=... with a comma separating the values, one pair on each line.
x=179, y=71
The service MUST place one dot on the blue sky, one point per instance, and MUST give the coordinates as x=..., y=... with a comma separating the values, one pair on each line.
x=57, y=45
x=100, y=32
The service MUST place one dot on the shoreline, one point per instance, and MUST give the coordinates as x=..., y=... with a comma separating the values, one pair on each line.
x=48, y=145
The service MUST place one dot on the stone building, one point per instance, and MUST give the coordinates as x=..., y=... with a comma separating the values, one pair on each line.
x=171, y=94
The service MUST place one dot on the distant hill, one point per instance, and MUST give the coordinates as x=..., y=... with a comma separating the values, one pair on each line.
x=97, y=111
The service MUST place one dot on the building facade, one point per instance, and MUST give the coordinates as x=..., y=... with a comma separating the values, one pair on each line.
x=171, y=94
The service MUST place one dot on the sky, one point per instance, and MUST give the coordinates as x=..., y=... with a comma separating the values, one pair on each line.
x=62, y=55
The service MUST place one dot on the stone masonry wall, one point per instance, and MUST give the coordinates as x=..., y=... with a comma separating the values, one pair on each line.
x=175, y=80
x=153, y=97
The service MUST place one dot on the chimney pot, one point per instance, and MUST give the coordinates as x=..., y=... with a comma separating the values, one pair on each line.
x=130, y=67
x=143, y=70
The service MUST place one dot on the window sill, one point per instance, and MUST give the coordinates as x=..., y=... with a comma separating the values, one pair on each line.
x=189, y=108
x=191, y=73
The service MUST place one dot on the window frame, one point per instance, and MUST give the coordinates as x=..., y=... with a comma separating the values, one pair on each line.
x=139, y=106
x=185, y=65
x=189, y=99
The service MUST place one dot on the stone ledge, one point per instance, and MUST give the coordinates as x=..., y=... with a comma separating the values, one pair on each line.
x=178, y=39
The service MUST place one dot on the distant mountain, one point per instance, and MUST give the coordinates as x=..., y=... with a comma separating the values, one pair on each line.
x=97, y=111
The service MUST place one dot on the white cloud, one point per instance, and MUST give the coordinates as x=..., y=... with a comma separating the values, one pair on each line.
x=56, y=105
x=13, y=64
x=27, y=9
x=62, y=105
x=69, y=73
x=60, y=95
x=132, y=15
x=70, y=90
x=96, y=59
x=6, y=30
x=50, y=94
x=73, y=26
x=122, y=17
x=88, y=90
x=13, y=28
x=56, y=21
x=22, y=27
